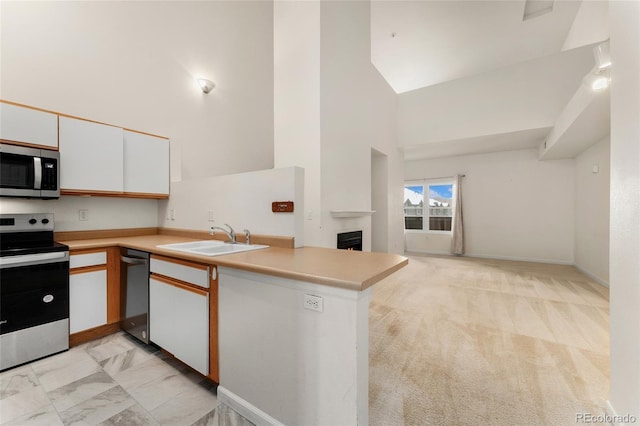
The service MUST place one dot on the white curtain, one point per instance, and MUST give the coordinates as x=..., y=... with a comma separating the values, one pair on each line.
x=457, y=240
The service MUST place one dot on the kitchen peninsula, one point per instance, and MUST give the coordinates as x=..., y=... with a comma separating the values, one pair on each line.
x=282, y=361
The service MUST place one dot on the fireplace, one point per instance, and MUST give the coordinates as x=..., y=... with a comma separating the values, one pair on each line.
x=350, y=240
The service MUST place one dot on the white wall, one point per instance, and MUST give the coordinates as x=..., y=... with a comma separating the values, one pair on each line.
x=332, y=107
x=296, y=50
x=242, y=200
x=625, y=208
x=514, y=206
x=132, y=64
x=591, y=245
x=359, y=112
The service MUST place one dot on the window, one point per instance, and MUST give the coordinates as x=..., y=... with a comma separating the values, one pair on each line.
x=431, y=213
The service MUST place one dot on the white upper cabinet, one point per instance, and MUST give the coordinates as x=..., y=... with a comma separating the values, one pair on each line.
x=91, y=156
x=146, y=163
x=28, y=126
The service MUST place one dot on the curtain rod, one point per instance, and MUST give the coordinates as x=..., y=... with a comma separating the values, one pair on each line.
x=443, y=177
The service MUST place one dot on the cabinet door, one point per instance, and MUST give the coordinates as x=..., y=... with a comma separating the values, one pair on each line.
x=179, y=321
x=28, y=126
x=87, y=300
x=161, y=314
x=91, y=156
x=192, y=329
x=146, y=163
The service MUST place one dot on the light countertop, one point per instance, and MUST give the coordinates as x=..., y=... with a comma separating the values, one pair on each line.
x=353, y=270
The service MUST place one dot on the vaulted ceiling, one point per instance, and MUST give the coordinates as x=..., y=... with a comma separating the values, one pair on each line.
x=483, y=76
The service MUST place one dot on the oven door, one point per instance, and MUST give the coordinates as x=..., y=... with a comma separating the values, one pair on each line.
x=34, y=290
x=34, y=307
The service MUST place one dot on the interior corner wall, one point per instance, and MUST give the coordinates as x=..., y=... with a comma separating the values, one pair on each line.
x=358, y=113
x=296, y=50
x=591, y=244
x=624, y=251
x=514, y=206
x=132, y=64
x=247, y=203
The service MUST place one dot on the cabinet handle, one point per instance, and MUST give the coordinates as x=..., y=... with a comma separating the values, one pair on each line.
x=133, y=260
x=214, y=273
x=37, y=172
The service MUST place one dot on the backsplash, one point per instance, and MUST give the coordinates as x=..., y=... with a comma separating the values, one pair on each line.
x=100, y=212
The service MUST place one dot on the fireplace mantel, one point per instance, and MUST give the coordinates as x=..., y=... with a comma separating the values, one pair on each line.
x=351, y=213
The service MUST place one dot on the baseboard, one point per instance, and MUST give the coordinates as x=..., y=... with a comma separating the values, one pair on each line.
x=429, y=253
x=611, y=412
x=592, y=276
x=81, y=337
x=522, y=259
x=613, y=418
x=486, y=256
x=246, y=409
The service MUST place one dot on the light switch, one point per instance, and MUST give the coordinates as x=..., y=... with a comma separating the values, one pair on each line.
x=595, y=168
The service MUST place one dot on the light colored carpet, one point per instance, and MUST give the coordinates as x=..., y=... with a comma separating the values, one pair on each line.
x=462, y=341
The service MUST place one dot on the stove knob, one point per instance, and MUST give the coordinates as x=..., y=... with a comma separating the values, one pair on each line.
x=33, y=221
x=45, y=221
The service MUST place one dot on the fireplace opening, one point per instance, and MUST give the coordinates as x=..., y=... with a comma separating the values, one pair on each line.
x=350, y=240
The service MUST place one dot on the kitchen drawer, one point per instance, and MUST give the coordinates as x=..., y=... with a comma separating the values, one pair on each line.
x=192, y=273
x=87, y=259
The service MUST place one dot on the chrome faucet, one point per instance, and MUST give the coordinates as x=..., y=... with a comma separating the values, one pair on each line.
x=247, y=236
x=230, y=233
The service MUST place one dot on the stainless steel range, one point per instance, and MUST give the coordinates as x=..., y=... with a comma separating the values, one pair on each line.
x=34, y=289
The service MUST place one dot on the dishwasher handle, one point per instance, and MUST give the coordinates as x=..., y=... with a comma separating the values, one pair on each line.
x=133, y=260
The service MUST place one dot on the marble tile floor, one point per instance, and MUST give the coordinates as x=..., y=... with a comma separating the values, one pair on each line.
x=111, y=381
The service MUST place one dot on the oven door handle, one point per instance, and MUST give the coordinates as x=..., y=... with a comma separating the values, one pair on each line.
x=33, y=259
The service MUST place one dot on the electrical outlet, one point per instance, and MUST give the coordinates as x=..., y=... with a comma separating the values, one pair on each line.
x=83, y=215
x=172, y=213
x=210, y=216
x=313, y=302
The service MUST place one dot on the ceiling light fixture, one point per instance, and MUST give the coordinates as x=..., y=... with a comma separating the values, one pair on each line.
x=205, y=85
x=601, y=82
x=602, y=56
x=598, y=79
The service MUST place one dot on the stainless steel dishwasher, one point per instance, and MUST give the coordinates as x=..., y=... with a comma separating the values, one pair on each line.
x=134, y=306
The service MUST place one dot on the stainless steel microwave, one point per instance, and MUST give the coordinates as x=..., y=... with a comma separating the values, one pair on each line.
x=29, y=172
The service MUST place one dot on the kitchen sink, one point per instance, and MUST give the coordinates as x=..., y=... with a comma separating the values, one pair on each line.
x=211, y=247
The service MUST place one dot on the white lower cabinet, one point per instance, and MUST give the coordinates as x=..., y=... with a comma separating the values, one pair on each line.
x=87, y=300
x=179, y=321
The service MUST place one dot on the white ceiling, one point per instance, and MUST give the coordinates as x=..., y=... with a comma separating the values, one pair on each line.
x=524, y=139
x=438, y=41
x=479, y=53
